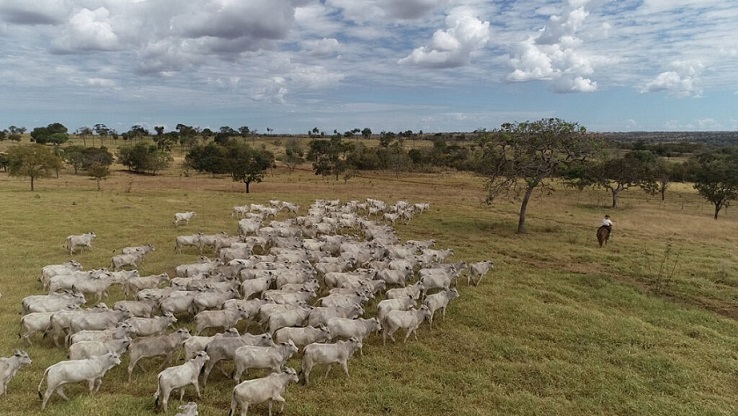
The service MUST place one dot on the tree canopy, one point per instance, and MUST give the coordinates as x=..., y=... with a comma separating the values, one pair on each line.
x=242, y=162
x=716, y=177
x=34, y=161
x=144, y=157
x=520, y=157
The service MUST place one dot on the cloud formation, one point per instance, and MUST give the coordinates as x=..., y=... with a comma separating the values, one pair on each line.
x=555, y=54
x=453, y=47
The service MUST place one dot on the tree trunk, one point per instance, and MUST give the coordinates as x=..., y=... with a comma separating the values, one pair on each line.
x=98, y=183
x=615, y=198
x=247, y=185
x=524, y=208
x=717, y=207
x=32, y=189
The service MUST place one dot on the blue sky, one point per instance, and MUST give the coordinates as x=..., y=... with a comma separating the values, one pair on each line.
x=393, y=65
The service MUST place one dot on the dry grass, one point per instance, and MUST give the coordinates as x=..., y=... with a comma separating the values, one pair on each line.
x=559, y=327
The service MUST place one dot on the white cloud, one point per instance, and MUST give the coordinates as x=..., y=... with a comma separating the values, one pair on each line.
x=322, y=48
x=683, y=81
x=556, y=53
x=89, y=30
x=453, y=47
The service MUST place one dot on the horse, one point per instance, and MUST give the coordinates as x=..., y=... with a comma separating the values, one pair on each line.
x=603, y=234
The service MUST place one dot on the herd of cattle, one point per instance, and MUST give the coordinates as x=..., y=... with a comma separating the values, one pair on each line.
x=306, y=282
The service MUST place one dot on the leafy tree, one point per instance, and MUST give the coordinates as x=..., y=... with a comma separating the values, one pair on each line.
x=99, y=171
x=135, y=132
x=74, y=156
x=85, y=132
x=102, y=131
x=246, y=164
x=366, y=133
x=716, y=178
x=144, y=157
x=4, y=161
x=293, y=154
x=634, y=169
x=54, y=133
x=244, y=131
x=329, y=155
x=3, y=135
x=15, y=133
x=210, y=158
x=33, y=160
x=520, y=157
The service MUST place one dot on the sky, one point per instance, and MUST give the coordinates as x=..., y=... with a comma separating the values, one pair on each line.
x=288, y=66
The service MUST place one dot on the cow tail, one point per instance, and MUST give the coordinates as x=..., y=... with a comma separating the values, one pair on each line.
x=46, y=372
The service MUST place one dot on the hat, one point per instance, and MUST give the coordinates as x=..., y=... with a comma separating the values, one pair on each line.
x=607, y=216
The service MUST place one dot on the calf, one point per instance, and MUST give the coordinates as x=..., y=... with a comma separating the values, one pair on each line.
x=387, y=305
x=302, y=336
x=224, y=348
x=196, y=343
x=414, y=291
x=187, y=240
x=225, y=318
x=259, y=390
x=54, y=269
x=440, y=301
x=141, y=308
x=148, y=248
x=185, y=217
x=142, y=327
x=83, y=240
x=91, y=370
x=120, y=331
x=134, y=284
x=9, y=366
x=290, y=317
x=321, y=315
x=409, y=320
x=478, y=269
x=88, y=349
x=38, y=322
x=162, y=345
x=339, y=352
x=188, y=409
x=272, y=358
x=179, y=377
x=353, y=328
x=122, y=260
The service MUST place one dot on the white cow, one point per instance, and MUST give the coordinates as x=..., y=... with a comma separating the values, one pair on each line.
x=90, y=370
x=9, y=366
x=179, y=377
x=409, y=320
x=82, y=240
x=259, y=390
x=440, y=301
x=273, y=357
x=328, y=354
x=479, y=269
x=183, y=217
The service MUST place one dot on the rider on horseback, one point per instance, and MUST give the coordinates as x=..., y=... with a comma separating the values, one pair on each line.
x=606, y=222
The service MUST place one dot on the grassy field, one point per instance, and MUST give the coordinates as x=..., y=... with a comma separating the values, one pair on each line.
x=644, y=326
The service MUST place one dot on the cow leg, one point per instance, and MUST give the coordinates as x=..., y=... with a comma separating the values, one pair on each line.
x=344, y=364
x=182, y=392
x=197, y=388
x=328, y=370
x=60, y=391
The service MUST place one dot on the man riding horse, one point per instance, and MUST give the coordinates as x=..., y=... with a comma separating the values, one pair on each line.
x=603, y=232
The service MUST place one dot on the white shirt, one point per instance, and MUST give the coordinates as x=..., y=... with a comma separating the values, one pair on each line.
x=607, y=222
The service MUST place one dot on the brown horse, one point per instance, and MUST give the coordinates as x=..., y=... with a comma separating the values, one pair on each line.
x=603, y=234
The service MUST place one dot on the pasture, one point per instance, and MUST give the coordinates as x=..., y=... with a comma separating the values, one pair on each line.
x=643, y=326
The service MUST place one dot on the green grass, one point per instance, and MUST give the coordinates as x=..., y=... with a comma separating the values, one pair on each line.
x=558, y=327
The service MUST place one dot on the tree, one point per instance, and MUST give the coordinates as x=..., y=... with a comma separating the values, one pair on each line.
x=520, y=157
x=84, y=132
x=246, y=164
x=244, y=131
x=634, y=169
x=329, y=155
x=16, y=133
x=102, y=131
x=98, y=171
x=54, y=133
x=4, y=161
x=366, y=133
x=144, y=157
x=33, y=160
x=293, y=154
x=716, y=178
